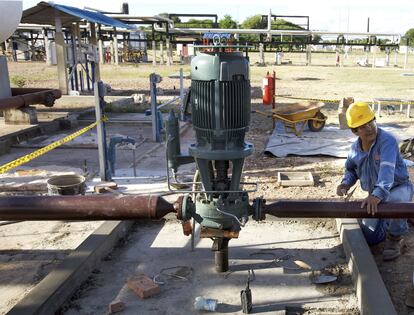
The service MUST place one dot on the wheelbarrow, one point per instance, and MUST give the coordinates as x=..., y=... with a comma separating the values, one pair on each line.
x=296, y=116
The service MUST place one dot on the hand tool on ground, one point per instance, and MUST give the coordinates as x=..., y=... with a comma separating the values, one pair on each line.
x=349, y=195
x=246, y=296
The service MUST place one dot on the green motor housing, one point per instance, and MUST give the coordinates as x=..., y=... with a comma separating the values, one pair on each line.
x=220, y=106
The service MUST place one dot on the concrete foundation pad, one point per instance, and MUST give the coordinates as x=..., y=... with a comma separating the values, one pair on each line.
x=5, y=146
x=373, y=297
x=20, y=116
x=156, y=248
x=64, y=280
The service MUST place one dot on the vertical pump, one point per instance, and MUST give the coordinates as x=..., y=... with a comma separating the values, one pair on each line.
x=220, y=109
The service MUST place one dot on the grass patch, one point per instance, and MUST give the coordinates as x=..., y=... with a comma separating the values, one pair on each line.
x=18, y=80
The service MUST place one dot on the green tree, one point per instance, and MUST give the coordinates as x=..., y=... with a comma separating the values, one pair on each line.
x=281, y=24
x=175, y=19
x=196, y=23
x=316, y=38
x=227, y=22
x=254, y=21
x=410, y=36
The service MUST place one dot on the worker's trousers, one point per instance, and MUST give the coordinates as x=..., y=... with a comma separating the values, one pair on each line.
x=375, y=230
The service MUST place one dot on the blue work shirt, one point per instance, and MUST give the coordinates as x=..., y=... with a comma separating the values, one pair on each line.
x=380, y=169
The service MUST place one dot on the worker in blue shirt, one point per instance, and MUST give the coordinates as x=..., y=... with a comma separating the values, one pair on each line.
x=376, y=161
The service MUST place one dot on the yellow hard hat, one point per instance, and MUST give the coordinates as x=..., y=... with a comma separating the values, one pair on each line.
x=358, y=114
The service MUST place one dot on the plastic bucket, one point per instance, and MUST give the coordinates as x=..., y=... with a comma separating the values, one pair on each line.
x=66, y=185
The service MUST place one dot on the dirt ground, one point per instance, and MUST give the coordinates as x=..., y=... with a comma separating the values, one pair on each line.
x=319, y=82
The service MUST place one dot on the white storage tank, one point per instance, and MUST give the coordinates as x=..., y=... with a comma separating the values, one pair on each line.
x=13, y=11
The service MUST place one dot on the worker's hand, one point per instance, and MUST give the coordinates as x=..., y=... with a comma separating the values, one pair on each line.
x=372, y=204
x=342, y=190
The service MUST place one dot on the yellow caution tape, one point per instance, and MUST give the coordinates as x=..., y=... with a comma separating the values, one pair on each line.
x=309, y=99
x=31, y=156
x=403, y=102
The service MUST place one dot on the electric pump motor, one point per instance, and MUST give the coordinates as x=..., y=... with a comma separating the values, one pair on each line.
x=220, y=104
x=220, y=108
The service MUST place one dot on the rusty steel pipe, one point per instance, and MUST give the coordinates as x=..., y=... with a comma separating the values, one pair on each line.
x=20, y=91
x=336, y=209
x=25, y=97
x=91, y=207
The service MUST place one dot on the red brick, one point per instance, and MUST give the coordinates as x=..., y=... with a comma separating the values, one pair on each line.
x=143, y=286
x=116, y=306
x=104, y=187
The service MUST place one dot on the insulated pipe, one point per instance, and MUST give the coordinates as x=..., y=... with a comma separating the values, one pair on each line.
x=91, y=207
x=336, y=209
x=173, y=29
x=25, y=97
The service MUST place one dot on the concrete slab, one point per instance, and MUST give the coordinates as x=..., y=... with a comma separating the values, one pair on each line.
x=30, y=250
x=5, y=146
x=295, y=178
x=373, y=297
x=155, y=246
x=29, y=180
x=86, y=149
x=13, y=134
x=122, y=118
x=63, y=281
x=20, y=116
x=10, y=130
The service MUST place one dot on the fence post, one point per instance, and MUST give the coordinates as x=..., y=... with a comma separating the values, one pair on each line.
x=154, y=53
x=261, y=55
x=162, y=53
x=406, y=55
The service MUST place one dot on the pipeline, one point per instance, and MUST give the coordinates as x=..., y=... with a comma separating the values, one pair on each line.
x=136, y=207
x=336, y=209
x=24, y=97
x=91, y=207
x=173, y=29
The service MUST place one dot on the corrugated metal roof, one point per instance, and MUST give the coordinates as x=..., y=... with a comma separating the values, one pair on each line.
x=45, y=12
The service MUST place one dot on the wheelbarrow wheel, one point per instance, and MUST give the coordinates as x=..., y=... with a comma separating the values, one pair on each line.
x=316, y=125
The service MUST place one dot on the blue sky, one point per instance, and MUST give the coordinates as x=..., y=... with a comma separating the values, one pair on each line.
x=385, y=16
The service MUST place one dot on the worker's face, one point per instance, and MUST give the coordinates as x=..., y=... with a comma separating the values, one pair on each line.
x=367, y=132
